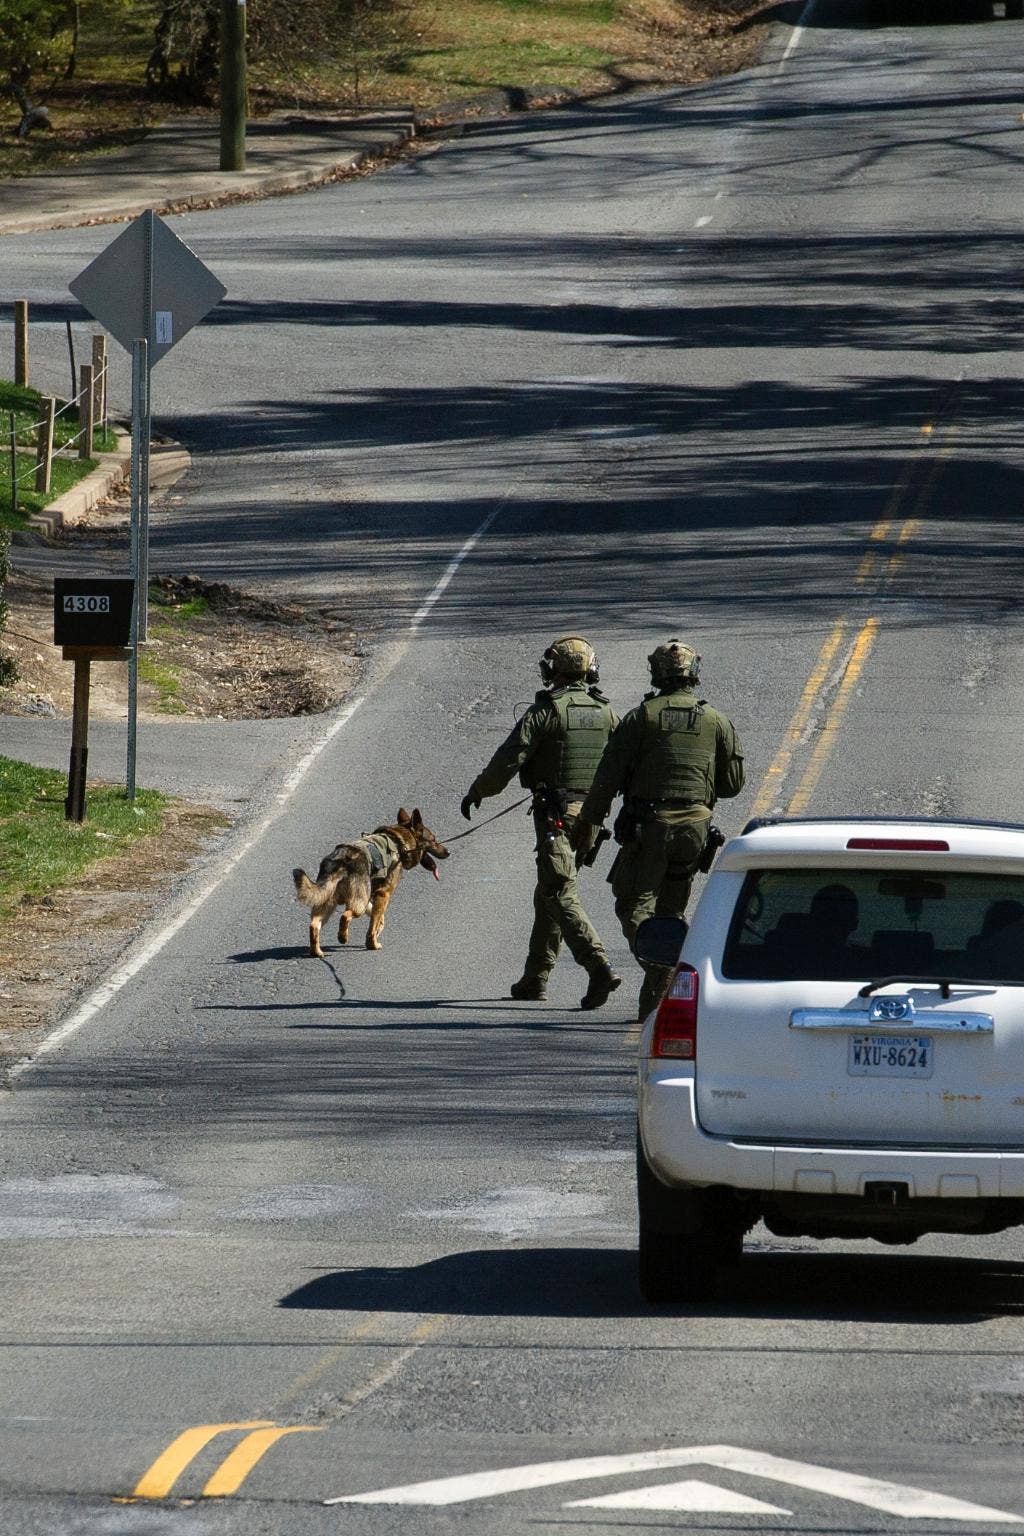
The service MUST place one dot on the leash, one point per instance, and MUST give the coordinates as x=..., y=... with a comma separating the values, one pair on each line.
x=481, y=824
x=330, y=967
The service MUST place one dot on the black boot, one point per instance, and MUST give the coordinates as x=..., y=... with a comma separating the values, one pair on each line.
x=602, y=985
x=528, y=989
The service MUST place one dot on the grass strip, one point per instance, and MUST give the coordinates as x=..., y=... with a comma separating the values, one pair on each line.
x=168, y=619
x=26, y=407
x=164, y=679
x=40, y=851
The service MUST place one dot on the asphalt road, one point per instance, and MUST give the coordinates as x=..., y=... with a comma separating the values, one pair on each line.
x=739, y=363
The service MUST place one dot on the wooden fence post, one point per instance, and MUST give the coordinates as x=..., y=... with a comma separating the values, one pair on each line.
x=21, y=341
x=99, y=387
x=86, y=419
x=74, y=805
x=44, y=445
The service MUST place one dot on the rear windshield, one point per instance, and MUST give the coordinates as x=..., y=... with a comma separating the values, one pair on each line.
x=859, y=924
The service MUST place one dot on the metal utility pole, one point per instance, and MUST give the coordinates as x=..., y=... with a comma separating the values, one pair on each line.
x=232, y=85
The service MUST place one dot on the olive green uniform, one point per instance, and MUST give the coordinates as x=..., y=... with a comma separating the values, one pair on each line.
x=558, y=744
x=672, y=757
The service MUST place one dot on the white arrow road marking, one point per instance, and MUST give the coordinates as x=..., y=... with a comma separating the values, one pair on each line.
x=889, y=1498
x=693, y=1496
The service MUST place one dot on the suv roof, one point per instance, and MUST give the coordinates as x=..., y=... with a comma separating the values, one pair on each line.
x=875, y=842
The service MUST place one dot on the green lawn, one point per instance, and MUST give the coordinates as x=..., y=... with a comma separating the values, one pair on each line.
x=40, y=851
x=416, y=52
x=21, y=407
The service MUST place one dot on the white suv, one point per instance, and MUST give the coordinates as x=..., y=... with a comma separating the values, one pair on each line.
x=841, y=1052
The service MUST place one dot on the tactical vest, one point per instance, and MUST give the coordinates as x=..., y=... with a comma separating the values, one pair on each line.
x=677, y=753
x=569, y=759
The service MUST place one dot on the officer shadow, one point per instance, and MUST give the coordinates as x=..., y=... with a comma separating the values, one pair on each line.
x=799, y=1285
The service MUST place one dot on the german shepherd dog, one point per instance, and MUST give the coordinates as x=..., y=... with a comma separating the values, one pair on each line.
x=365, y=874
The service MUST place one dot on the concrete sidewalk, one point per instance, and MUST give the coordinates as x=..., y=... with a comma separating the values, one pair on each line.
x=175, y=167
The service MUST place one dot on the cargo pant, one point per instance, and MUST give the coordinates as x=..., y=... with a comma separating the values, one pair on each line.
x=652, y=878
x=557, y=910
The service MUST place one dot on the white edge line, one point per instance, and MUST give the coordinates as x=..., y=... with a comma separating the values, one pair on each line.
x=424, y=609
x=791, y=47
x=798, y=31
x=114, y=983
x=110, y=988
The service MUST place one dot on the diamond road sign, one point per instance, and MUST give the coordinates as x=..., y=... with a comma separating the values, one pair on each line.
x=148, y=284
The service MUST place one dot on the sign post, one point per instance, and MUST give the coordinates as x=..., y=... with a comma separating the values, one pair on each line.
x=92, y=620
x=140, y=414
x=148, y=290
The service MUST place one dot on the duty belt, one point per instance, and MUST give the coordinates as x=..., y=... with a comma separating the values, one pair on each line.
x=678, y=805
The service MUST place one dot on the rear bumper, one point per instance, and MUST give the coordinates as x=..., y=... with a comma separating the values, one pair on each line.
x=680, y=1152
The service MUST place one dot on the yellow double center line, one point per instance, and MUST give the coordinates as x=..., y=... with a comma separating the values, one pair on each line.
x=851, y=670
x=161, y=1477
x=158, y=1480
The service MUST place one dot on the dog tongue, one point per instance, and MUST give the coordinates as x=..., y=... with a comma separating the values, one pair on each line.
x=430, y=866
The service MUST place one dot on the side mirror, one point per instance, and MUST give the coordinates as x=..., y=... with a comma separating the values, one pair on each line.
x=659, y=939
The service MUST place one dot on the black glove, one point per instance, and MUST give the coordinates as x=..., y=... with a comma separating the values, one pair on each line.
x=582, y=837
x=470, y=803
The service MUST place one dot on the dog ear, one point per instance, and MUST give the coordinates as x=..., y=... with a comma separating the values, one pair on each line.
x=417, y=819
x=404, y=818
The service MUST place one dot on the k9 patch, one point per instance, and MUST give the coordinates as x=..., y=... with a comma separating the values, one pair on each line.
x=579, y=717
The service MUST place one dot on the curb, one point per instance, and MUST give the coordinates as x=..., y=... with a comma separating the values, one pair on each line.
x=167, y=463
x=273, y=184
x=500, y=102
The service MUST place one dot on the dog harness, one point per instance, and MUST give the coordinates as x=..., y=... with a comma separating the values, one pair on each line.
x=381, y=853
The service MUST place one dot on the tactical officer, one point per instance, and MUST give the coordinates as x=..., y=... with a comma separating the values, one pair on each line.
x=671, y=758
x=555, y=748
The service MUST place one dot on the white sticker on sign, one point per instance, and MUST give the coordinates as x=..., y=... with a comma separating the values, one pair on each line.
x=165, y=327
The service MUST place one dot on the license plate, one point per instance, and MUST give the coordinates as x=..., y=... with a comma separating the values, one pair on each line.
x=890, y=1056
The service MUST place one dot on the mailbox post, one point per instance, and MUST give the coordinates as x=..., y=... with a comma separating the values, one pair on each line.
x=92, y=621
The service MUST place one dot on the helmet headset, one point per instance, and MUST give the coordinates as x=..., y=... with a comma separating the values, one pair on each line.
x=571, y=657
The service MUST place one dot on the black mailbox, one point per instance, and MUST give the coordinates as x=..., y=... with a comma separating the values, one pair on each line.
x=93, y=611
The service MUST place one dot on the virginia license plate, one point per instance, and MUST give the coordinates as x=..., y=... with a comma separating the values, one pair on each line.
x=890, y=1056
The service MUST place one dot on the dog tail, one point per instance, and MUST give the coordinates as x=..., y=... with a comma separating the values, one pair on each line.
x=305, y=890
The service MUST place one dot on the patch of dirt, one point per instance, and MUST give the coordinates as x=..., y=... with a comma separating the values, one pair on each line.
x=243, y=658
x=55, y=946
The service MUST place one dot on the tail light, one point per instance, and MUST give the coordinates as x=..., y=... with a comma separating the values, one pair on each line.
x=675, y=1027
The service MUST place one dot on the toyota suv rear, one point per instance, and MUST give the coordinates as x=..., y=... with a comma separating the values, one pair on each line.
x=841, y=1051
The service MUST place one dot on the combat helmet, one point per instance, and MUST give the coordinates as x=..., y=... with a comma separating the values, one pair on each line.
x=673, y=662
x=569, y=658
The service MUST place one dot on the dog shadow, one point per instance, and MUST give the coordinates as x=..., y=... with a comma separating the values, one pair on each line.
x=282, y=952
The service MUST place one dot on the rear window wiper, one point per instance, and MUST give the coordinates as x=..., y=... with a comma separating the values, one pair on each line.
x=943, y=983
